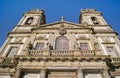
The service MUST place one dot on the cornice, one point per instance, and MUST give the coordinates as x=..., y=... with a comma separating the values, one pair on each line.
x=111, y=32
x=19, y=33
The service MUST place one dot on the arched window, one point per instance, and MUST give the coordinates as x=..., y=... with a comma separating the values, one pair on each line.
x=29, y=21
x=62, y=43
x=94, y=19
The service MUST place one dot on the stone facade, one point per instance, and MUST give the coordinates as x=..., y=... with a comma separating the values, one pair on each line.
x=34, y=49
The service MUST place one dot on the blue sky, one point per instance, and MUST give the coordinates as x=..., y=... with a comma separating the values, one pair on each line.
x=11, y=11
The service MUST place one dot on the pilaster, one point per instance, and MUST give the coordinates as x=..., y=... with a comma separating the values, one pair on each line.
x=79, y=74
x=17, y=74
x=106, y=74
x=43, y=73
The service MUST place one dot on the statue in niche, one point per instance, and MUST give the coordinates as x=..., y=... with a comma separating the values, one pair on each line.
x=76, y=46
x=62, y=31
x=30, y=46
x=49, y=46
x=96, y=45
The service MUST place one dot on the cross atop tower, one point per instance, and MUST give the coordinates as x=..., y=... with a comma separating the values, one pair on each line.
x=62, y=18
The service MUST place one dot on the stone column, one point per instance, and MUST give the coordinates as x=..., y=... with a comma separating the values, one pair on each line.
x=106, y=74
x=43, y=73
x=12, y=76
x=17, y=74
x=79, y=74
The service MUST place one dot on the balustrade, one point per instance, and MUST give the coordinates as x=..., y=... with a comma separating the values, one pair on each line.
x=116, y=60
x=36, y=52
x=62, y=52
x=7, y=61
x=87, y=52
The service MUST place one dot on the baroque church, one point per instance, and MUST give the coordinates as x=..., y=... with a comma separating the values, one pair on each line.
x=62, y=49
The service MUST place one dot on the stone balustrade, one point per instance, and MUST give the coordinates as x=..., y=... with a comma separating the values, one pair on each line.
x=35, y=52
x=46, y=54
x=7, y=61
x=87, y=52
x=116, y=61
x=63, y=52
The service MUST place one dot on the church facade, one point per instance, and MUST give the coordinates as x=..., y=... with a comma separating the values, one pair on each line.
x=62, y=49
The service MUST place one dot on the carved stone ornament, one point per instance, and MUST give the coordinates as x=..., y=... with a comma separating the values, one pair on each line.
x=106, y=39
x=18, y=39
x=62, y=31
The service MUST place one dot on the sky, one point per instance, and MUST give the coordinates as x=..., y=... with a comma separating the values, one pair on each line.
x=11, y=12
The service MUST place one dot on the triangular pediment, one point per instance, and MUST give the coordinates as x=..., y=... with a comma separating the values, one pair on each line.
x=61, y=23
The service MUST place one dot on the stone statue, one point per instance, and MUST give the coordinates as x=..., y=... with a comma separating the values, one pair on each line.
x=96, y=45
x=49, y=47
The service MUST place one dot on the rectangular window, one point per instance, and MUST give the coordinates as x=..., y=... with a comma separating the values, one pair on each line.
x=13, y=51
x=31, y=75
x=92, y=75
x=4, y=76
x=84, y=46
x=39, y=46
x=117, y=76
x=111, y=51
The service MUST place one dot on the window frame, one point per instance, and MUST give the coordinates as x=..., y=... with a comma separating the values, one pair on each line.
x=88, y=46
x=9, y=54
x=113, y=52
x=26, y=74
x=63, y=46
x=43, y=45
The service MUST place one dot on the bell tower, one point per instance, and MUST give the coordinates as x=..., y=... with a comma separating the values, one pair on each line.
x=33, y=17
x=92, y=17
x=30, y=19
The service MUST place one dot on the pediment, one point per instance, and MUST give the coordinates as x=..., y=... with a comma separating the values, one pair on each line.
x=60, y=24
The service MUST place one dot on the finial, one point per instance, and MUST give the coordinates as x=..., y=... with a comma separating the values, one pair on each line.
x=62, y=18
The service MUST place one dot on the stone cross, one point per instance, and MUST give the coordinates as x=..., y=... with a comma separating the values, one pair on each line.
x=62, y=18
